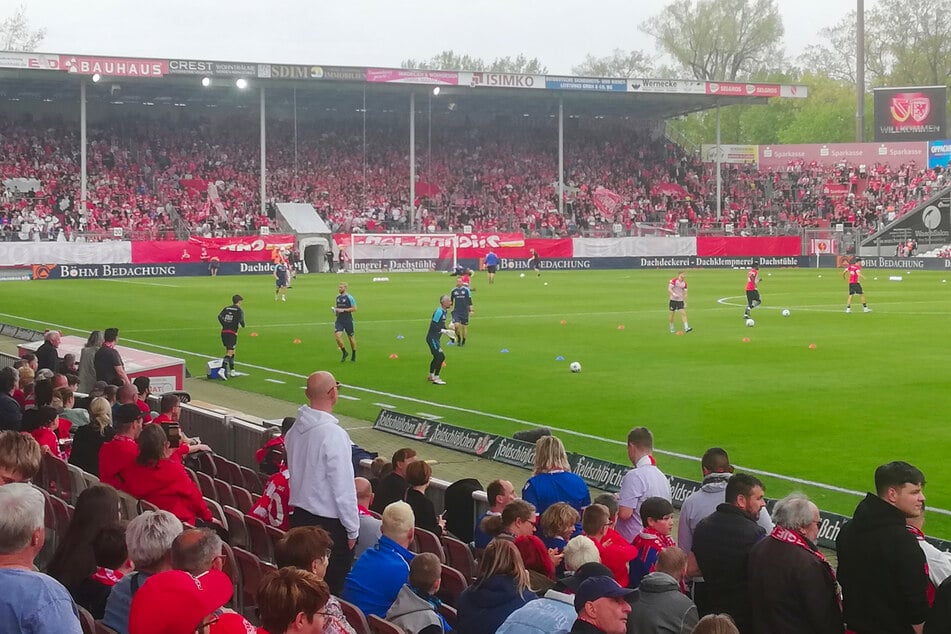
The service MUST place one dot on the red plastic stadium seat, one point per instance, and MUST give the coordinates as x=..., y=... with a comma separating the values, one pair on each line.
x=355, y=617
x=452, y=584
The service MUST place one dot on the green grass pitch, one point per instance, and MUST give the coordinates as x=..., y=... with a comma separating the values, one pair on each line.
x=873, y=389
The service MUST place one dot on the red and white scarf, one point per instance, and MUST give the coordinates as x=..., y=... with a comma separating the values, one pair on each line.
x=914, y=530
x=787, y=536
x=107, y=577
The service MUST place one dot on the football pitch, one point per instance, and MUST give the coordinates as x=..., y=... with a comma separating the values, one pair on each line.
x=817, y=399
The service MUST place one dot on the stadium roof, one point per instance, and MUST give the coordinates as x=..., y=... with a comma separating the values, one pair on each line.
x=56, y=77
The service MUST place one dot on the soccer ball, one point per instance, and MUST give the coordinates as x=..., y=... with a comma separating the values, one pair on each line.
x=575, y=366
x=750, y=323
x=785, y=312
x=521, y=275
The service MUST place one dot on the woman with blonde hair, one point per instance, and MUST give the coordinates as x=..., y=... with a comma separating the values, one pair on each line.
x=89, y=438
x=716, y=624
x=553, y=480
x=500, y=589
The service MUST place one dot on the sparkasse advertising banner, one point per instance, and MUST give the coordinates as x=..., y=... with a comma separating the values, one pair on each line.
x=911, y=114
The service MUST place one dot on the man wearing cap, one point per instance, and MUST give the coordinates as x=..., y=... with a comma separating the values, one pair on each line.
x=174, y=602
x=601, y=606
x=231, y=318
x=554, y=613
x=30, y=601
x=321, y=475
x=120, y=453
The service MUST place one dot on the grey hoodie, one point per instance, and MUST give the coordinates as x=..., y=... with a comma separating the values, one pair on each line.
x=658, y=607
x=411, y=612
x=702, y=503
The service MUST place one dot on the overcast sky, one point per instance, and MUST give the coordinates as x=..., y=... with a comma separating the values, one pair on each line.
x=372, y=32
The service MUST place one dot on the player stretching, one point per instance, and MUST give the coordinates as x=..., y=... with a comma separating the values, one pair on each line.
x=231, y=318
x=535, y=263
x=752, y=294
x=437, y=328
x=854, y=272
x=280, y=280
x=677, y=289
x=461, y=298
x=491, y=264
x=344, y=310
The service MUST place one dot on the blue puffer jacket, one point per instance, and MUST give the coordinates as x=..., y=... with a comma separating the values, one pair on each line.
x=484, y=607
x=376, y=578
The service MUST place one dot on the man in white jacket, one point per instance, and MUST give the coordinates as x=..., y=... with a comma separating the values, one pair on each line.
x=321, y=483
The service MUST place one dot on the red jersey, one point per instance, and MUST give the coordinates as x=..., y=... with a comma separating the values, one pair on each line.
x=616, y=553
x=752, y=278
x=116, y=456
x=47, y=438
x=853, y=270
x=146, y=411
x=274, y=506
x=167, y=486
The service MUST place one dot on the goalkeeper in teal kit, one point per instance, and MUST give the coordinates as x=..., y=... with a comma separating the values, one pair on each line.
x=437, y=328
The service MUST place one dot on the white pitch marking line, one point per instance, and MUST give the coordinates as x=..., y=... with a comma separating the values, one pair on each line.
x=140, y=283
x=384, y=405
x=425, y=415
x=349, y=398
x=274, y=381
x=466, y=410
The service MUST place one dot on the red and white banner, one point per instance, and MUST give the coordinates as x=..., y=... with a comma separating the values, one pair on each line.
x=403, y=76
x=32, y=61
x=835, y=190
x=870, y=154
x=113, y=66
x=607, y=201
x=468, y=245
x=731, y=89
x=197, y=249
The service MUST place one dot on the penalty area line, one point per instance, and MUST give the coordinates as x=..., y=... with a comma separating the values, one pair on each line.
x=475, y=412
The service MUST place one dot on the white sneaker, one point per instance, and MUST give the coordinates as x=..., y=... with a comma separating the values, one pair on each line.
x=438, y=381
x=283, y=298
x=848, y=310
x=866, y=310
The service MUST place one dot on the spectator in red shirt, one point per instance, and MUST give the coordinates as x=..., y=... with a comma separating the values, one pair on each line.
x=617, y=553
x=170, y=409
x=163, y=482
x=142, y=386
x=41, y=423
x=120, y=453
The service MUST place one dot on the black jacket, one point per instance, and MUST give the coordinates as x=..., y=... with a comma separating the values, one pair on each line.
x=721, y=543
x=881, y=571
x=87, y=442
x=10, y=413
x=47, y=357
x=939, y=619
x=390, y=489
x=792, y=591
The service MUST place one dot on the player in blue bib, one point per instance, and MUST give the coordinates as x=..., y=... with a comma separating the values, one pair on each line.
x=491, y=265
x=461, y=297
x=344, y=308
x=280, y=281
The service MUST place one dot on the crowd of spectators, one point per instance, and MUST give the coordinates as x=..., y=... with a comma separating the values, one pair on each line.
x=151, y=177
x=554, y=562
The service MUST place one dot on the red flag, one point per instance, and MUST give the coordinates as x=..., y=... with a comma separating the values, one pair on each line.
x=606, y=201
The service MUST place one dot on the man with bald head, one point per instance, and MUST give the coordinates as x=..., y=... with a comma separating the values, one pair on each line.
x=321, y=475
x=369, y=524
